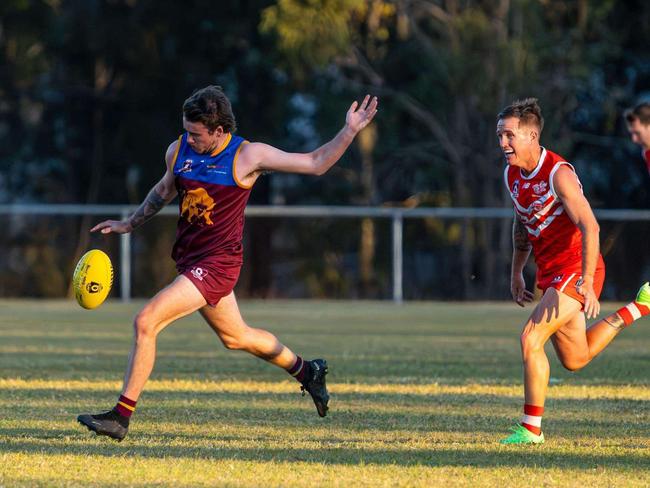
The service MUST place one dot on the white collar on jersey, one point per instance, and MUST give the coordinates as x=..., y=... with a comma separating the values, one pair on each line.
x=537, y=168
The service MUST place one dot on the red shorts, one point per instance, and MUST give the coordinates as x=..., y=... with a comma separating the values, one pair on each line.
x=565, y=280
x=212, y=277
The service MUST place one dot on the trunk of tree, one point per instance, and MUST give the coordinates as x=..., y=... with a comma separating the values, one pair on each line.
x=367, y=140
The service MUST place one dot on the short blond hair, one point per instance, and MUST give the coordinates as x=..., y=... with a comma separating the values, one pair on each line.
x=527, y=111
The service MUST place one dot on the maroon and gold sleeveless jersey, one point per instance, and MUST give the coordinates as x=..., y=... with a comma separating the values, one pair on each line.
x=211, y=204
x=556, y=240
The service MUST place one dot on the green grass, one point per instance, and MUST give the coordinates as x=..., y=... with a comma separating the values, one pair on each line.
x=421, y=394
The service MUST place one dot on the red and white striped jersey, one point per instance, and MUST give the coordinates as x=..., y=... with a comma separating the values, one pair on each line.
x=556, y=240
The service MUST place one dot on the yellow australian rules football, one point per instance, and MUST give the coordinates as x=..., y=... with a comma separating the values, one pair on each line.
x=92, y=279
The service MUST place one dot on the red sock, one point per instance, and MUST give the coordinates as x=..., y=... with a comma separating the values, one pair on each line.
x=125, y=406
x=299, y=369
x=532, y=418
x=632, y=311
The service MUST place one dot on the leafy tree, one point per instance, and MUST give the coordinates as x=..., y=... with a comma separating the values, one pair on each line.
x=444, y=70
x=90, y=96
x=92, y=92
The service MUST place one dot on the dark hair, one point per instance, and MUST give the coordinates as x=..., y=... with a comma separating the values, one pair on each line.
x=641, y=113
x=211, y=107
x=527, y=111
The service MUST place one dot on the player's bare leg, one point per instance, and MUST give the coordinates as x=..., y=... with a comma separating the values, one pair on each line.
x=553, y=311
x=576, y=347
x=226, y=320
x=574, y=344
x=178, y=299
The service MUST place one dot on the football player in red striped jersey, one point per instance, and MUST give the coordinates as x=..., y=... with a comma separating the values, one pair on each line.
x=554, y=220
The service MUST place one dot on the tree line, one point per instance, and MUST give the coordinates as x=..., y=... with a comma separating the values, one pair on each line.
x=90, y=96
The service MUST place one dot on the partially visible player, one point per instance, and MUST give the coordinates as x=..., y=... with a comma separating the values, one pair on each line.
x=638, y=125
x=554, y=220
x=212, y=170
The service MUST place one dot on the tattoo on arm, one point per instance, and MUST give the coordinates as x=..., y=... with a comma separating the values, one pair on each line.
x=520, y=236
x=150, y=207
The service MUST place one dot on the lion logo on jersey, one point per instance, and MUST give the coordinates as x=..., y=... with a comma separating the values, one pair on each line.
x=197, y=207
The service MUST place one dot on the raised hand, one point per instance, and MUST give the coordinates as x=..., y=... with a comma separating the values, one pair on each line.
x=117, y=226
x=359, y=116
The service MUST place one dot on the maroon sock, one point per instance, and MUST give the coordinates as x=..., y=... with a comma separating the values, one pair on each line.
x=299, y=369
x=125, y=406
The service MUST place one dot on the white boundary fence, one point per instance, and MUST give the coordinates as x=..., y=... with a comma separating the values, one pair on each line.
x=395, y=214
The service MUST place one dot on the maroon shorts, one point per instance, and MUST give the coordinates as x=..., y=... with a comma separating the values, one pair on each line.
x=566, y=280
x=213, y=277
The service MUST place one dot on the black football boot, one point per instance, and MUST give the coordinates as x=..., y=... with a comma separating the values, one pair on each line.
x=108, y=423
x=314, y=384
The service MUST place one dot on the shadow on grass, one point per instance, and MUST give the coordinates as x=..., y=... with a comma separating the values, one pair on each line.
x=75, y=355
x=443, y=412
x=492, y=456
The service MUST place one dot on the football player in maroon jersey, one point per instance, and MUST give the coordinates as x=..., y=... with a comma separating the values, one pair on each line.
x=212, y=170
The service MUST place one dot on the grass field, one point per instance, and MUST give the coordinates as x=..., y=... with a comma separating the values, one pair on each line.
x=421, y=394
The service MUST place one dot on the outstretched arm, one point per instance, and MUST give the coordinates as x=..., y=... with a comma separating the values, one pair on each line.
x=160, y=195
x=579, y=211
x=521, y=248
x=258, y=157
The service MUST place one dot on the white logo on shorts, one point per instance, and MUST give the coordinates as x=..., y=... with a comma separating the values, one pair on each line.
x=199, y=273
